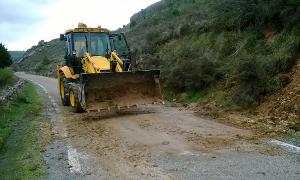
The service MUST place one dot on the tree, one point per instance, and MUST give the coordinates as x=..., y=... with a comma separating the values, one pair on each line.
x=5, y=58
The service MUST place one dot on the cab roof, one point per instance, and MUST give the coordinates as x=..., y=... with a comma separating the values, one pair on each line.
x=83, y=28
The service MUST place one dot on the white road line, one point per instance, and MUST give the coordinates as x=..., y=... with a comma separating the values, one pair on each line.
x=44, y=89
x=188, y=153
x=73, y=159
x=54, y=104
x=287, y=146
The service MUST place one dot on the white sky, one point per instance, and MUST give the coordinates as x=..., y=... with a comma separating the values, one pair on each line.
x=24, y=22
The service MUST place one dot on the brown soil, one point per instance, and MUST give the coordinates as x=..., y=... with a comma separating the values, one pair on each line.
x=279, y=112
x=283, y=108
x=125, y=145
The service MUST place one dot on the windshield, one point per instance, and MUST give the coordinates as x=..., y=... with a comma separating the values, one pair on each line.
x=80, y=44
x=119, y=44
x=98, y=44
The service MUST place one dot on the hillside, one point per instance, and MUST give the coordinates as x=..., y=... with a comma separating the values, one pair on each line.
x=42, y=58
x=229, y=54
x=200, y=45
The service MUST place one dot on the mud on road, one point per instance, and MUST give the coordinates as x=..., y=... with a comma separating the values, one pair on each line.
x=157, y=142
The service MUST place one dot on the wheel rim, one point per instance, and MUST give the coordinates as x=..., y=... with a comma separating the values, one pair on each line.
x=62, y=89
x=72, y=98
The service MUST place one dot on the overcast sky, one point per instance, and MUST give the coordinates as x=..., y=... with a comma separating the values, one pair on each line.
x=24, y=22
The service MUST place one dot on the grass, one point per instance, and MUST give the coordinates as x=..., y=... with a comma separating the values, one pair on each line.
x=294, y=138
x=6, y=76
x=198, y=96
x=222, y=98
x=21, y=153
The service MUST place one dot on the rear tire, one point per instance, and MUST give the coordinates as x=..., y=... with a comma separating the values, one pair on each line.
x=74, y=100
x=63, y=91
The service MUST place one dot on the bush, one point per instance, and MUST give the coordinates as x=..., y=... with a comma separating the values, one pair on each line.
x=186, y=65
x=132, y=24
x=5, y=58
x=46, y=61
x=241, y=14
x=252, y=82
x=1, y=143
x=175, y=12
x=6, y=77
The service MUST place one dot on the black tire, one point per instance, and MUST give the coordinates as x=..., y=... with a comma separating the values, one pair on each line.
x=63, y=91
x=74, y=100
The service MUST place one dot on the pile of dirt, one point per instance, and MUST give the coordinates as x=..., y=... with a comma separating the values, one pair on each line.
x=283, y=108
x=278, y=113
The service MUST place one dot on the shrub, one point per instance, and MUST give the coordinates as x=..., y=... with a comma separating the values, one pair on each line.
x=241, y=14
x=191, y=75
x=5, y=58
x=175, y=12
x=1, y=142
x=251, y=82
x=133, y=24
x=46, y=61
x=6, y=77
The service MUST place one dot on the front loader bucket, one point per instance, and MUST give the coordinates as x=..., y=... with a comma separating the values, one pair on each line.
x=123, y=90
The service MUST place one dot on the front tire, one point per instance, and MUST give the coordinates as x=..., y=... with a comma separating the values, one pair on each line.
x=63, y=91
x=74, y=100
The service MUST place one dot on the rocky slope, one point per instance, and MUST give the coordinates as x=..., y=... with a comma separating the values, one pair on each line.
x=283, y=107
x=42, y=58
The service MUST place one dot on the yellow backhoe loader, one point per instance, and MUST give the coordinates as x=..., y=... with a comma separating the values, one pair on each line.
x=97, y=74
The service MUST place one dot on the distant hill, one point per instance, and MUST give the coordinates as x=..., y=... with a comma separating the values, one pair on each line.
x=42, y=58
x=15, y=55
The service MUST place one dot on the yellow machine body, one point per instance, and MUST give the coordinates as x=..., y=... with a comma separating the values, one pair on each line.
x=98, y=82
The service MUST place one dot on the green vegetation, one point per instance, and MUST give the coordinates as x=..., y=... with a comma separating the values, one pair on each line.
x=6, y=74
x=43, y=66
x=203, y=47
x=295, y=138
x=6, y=77
x=5, y=58
x=20, y=154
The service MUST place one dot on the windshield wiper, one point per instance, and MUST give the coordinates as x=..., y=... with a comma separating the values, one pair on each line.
x=86, y=44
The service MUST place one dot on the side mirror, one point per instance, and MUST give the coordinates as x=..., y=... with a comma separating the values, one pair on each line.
x=62, y=37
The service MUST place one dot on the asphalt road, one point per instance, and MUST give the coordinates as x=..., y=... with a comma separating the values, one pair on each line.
x=155, y=142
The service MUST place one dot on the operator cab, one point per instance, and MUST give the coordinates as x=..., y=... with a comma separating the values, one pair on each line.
x=95, y=41
x=97, y=44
